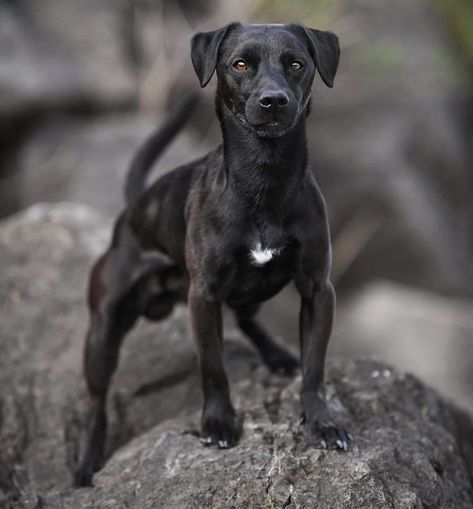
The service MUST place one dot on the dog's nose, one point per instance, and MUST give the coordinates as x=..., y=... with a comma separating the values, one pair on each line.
x=273, y=99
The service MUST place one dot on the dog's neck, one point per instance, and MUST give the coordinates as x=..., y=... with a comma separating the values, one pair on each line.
x=264, y=173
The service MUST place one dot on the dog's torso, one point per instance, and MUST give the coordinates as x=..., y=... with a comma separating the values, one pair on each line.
x=234, y=227
x=245, y=249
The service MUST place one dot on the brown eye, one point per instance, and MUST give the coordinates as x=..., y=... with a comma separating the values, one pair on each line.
x=240, y=65
x=296, y=66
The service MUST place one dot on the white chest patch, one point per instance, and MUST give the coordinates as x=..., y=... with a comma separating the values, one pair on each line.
x=260, y=256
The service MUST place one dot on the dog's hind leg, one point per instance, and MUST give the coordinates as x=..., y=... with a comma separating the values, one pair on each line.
x=112, y=315
x=118, y=295
x=274, y=356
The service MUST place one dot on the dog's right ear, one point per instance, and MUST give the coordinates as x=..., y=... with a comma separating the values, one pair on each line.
x=204, y=52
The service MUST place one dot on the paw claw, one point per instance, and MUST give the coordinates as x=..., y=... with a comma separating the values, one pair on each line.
x=327, y=436
x=219, y=427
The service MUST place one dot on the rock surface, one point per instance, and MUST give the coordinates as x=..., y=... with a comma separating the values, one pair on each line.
x=426, y=333
x=404, y=454
x=410, y=449
x=50, y=61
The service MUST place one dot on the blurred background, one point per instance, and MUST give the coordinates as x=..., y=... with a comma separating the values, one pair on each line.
x=83, y=82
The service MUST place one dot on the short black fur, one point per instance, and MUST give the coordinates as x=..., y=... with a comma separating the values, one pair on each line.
x=233, y=227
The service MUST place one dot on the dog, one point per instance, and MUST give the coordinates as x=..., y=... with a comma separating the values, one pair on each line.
x=233, y=227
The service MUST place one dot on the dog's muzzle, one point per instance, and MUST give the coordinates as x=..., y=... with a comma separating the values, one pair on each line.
x=271, y=114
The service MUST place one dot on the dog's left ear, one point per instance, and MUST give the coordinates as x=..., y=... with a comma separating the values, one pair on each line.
x=204, y=52
x=325, y=51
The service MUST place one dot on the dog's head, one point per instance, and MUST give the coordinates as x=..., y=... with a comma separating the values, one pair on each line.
x=265, y=72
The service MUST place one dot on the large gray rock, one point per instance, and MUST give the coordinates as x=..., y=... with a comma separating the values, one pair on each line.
x=45, y=256
x=57, y=55
x=404, y=453
x=409, y=449
x=390, y=149
x=423, y=332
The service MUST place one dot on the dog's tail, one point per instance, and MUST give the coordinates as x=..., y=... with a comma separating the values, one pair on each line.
x=153, y=147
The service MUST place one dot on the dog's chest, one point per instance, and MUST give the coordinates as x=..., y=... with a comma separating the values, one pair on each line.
x=260, y=255
x=261, y=270
x=266, y=245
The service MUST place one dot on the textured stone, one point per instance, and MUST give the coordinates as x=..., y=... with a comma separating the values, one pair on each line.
x=410, y=449
x=57, y=55
x=404, y=453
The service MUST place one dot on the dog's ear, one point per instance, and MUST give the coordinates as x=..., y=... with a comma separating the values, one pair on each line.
x=204, y=52
x=325, y=51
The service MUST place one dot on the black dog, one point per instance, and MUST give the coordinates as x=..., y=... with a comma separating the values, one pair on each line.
x=233, y=227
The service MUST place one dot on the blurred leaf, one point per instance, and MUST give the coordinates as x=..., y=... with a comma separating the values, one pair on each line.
x=459, y=16
x=318, y=13
x=382, y=57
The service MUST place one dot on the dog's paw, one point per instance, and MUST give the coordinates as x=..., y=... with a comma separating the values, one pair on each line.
x=219, y=427
x=281, y=362
x=85, y=470
x=327, y=435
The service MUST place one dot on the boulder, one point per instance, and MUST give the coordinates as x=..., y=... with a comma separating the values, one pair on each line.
x=58, y=55
x=423, y=332
x=410, y=449
x=404, y=453
x=389, y=149
x=45, y=256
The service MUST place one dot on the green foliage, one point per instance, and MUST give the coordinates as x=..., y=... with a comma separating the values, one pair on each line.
x=459, y=16
x=382, y=57
x=318, y=13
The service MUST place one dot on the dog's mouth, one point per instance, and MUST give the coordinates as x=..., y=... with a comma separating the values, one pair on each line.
x=264, y=125
x=270, y=129
x=267, y=129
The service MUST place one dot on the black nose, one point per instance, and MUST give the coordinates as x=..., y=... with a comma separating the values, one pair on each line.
x=273, y=99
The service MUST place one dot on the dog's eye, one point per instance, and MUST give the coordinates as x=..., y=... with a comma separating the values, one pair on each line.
x=296, y=66
x=240, y=65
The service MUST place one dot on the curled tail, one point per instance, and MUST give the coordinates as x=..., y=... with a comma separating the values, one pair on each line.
x=153, y=147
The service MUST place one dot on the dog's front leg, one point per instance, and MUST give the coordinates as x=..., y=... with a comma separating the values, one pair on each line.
x=218, y=417
x=316, y=320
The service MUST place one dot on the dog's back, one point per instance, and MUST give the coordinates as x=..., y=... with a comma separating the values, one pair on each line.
x=158, y=216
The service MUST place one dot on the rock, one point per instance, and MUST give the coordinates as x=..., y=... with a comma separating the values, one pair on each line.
x=410, y=449
x=61, y=58
x=404, y=453
x=45, y=256
x=420, y=331
x=61, y=54
x=389, y=149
